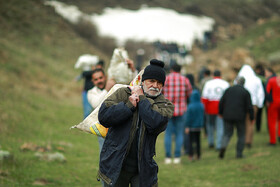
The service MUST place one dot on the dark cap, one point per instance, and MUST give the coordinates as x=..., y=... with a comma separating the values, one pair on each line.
x=154, y=71
x=217, y=73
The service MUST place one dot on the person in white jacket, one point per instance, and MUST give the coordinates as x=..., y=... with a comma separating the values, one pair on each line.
x=98, y=92
x=101, y=87
x=211, y=95
x=254, y=85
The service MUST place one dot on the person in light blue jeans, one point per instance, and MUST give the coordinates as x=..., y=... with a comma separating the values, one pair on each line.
x=86, y=105
x=214, y=123
x=175, y=126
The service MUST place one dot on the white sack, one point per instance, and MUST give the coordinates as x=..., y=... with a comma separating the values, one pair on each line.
x=118, y=68
x=86, y=61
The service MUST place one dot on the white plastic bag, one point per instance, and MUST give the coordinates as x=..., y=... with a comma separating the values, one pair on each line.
x=118, y=68
x=86, y=61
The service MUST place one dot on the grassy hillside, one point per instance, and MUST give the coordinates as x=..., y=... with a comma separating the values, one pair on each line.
x=38, y=51
x=254, y=45
x=39, y=98
x=39, y=101
x=261, y=39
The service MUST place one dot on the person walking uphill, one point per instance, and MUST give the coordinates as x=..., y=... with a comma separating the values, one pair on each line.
x=234, y=106
x=135, y=117
x=211, y=95
x=254, y=85
x=177, y=89
x=98, y=92
x=194, y=123
x=273, y=113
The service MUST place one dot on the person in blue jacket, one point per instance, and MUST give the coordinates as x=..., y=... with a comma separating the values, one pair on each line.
x=194, y=123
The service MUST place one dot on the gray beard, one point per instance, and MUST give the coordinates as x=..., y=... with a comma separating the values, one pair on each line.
x=151, y=96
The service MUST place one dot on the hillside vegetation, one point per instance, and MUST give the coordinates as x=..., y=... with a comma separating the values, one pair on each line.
x=40, y=100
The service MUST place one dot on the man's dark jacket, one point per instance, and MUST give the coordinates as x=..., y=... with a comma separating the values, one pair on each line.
x=118, y=114
x=235, y=104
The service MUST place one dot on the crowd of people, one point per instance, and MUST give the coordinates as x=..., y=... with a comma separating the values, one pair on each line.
x=176, y=105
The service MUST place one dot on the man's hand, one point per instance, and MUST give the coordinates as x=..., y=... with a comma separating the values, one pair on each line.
x=137, y=90
x=187, y=130
x=134, y=99
x=109, y=84
x=130, y=64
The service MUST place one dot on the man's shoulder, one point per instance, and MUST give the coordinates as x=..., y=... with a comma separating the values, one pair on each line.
x=175, y=74
x=162, y=98
x=217, y=81
x=121, y=89
x=92, y=89
x=238, y=87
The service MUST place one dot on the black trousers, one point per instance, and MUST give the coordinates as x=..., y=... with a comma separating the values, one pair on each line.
x=228, y=132
x=125, y=179
x=259, y=119
x=195, y=139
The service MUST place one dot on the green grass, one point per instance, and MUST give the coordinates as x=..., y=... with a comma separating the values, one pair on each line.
x=258, y=168
x=45, y=122
x=49, y=125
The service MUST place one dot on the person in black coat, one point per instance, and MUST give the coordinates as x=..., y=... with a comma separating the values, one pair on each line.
x=135, y=117
x=233, y=107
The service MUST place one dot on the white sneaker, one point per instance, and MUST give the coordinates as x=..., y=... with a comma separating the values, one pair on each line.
x=177, y=160
x=167, y=161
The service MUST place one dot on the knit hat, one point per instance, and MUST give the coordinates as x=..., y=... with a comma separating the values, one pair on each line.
x=154, y=71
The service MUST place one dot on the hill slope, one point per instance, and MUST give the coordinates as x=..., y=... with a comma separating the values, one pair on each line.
x=39, y=98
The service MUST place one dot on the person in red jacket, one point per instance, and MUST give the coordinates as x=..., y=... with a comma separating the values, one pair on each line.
x=273, y=86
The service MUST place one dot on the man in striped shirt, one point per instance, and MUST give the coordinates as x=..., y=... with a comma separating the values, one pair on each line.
x=177, y=89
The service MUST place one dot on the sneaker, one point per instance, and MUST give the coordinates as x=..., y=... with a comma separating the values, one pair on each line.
x=167, y=161
x=177, y=160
